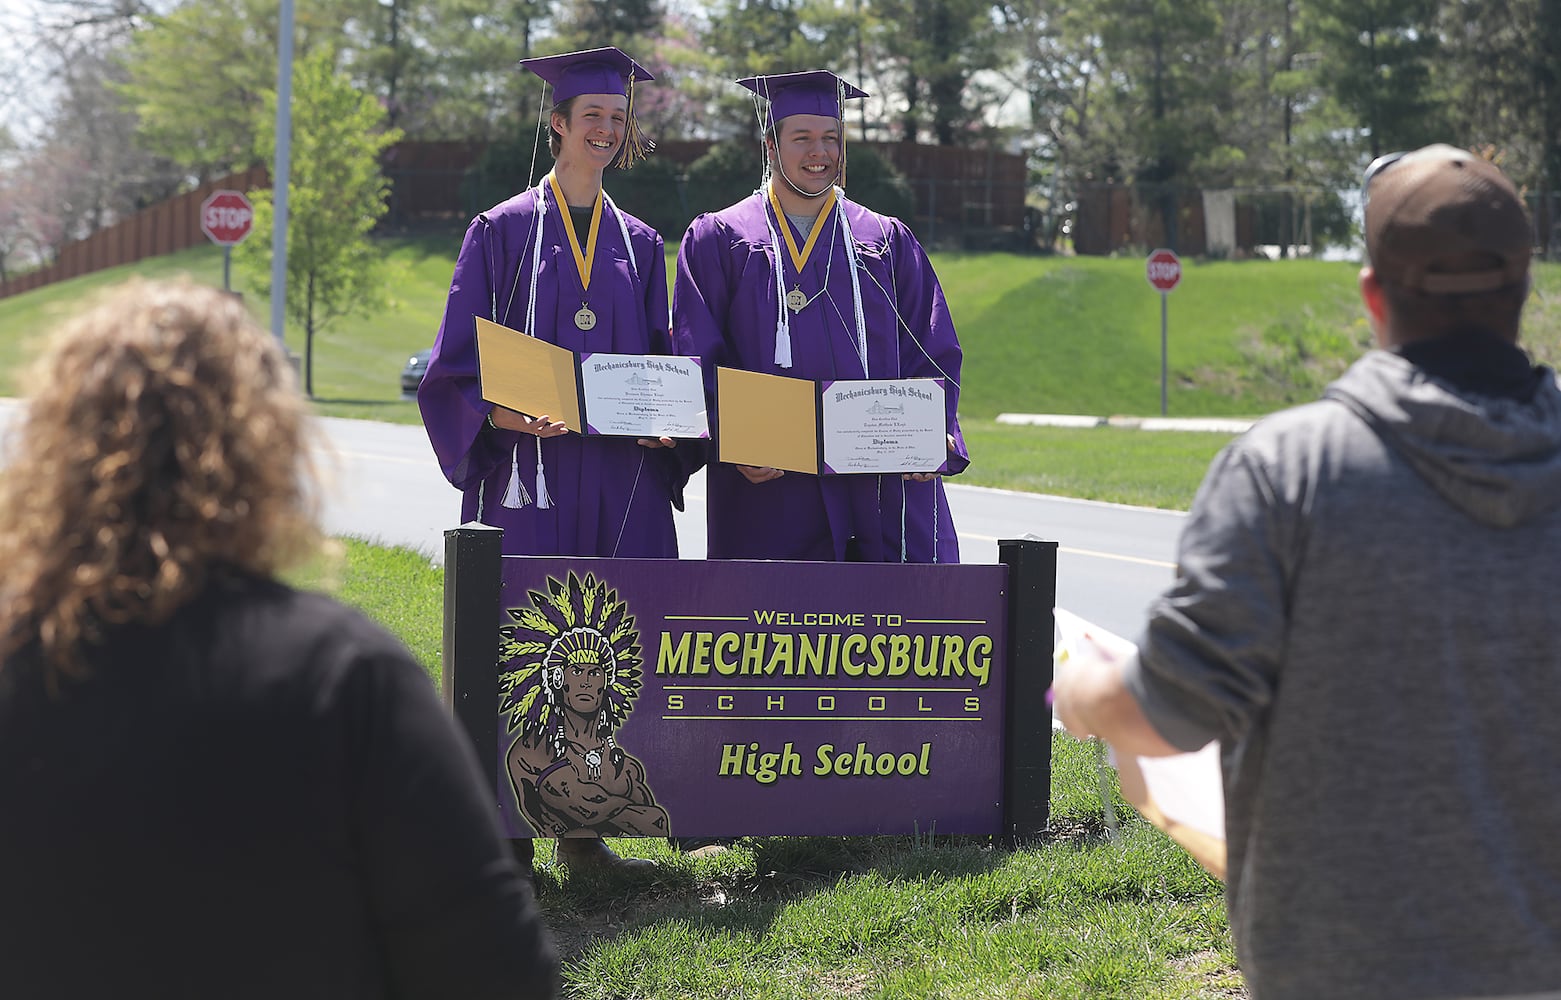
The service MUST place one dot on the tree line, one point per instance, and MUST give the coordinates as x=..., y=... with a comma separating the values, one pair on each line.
x=149, y=96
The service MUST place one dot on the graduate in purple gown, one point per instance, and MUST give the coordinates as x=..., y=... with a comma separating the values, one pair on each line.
x=562, y=263
x=797, y=280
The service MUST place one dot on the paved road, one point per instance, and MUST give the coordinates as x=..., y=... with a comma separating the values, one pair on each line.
x=1112, y=559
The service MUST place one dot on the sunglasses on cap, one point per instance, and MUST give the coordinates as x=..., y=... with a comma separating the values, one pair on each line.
x=1378, y=166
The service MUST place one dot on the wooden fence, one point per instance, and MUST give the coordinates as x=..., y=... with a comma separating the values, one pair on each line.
x=164, y=228
x=962, y=196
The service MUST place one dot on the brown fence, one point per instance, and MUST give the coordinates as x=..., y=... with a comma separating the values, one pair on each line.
x=963, y=196
x=164, y=228
x=425, y=180
x=970, y=197
x=973, y=197
x=1118, y=217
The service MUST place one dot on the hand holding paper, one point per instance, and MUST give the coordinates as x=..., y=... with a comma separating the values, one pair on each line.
x=543, y=426
x=757, y=474
x=1181, y=794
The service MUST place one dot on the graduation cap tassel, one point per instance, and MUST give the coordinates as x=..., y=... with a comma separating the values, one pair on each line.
x=515, y=497
x=840, y=102
x=543, y=500
x=636, y=145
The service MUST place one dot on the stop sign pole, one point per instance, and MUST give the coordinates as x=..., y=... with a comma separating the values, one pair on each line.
x=226, y=218
x=1164, y=271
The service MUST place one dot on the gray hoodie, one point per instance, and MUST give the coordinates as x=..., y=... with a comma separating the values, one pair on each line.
x=1365, y=614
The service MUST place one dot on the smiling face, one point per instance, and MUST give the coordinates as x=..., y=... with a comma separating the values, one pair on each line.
x=592, y=129
x=806, y=152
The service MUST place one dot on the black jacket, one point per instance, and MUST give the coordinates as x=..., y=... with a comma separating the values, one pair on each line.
x=261, y=798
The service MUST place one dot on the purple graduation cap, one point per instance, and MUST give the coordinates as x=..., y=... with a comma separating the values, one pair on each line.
x=607, y=70
x=593, y=71
x=812, y=92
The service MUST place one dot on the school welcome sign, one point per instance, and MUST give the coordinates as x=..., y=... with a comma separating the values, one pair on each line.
x=692, y=698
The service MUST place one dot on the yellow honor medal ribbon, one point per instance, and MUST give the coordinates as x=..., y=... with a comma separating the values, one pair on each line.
x=799, y=258
x=585, y=260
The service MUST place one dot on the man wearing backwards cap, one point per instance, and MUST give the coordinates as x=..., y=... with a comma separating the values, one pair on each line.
x=1364, y=616
x=796, y=280
x=560, y=262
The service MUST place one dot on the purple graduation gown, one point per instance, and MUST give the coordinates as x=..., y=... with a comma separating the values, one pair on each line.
x=725, y=304
x=609, y=496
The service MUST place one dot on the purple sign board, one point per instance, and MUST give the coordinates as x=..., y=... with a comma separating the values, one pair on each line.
x=641, y=697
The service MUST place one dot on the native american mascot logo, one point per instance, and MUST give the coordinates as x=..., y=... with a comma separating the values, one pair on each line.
x=569, y=674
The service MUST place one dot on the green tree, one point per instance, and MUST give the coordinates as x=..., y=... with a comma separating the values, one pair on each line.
x=589, y=24
x=937, y=47
x=1057, y=63
x=758, y=37
x=445, y=69
x=336, y=193
x=1503, y=74
x=1376, y=57
x=1164, y=61
x=198, y=75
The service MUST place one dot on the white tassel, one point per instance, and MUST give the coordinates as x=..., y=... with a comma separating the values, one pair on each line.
x=783, y=346
x=623, y=227
x=905, y=488
x=934, y=525
x=543, y=500
x=856, y=283
x=515, y=497
x=782, y=320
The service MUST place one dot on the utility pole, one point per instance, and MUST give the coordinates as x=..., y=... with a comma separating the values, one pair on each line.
x=279, y=171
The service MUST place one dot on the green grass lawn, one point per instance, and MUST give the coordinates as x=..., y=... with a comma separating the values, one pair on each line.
x=1120, y=465
x=1040, y=334
x=1077, y=915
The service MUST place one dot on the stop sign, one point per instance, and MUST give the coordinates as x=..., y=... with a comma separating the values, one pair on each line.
x=1164, y=270
x=226, y=217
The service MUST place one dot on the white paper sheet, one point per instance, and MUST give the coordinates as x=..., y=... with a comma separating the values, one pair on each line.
x=1188, y=788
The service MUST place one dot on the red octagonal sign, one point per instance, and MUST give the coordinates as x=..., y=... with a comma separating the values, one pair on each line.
x=226, y=217
x=1164, y=270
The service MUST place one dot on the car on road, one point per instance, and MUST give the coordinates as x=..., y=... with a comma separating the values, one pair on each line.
x=416, y=368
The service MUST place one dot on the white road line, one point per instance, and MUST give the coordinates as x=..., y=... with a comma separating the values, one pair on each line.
x=1083, y=552
x=385, y=458
x=1112, y=555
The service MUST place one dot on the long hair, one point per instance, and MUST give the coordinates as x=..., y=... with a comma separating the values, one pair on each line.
x=163, y=439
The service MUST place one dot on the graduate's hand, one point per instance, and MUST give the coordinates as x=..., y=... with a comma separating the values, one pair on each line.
x=661, y=442
x=927, y=477
x=759, y=473
x=542, y=426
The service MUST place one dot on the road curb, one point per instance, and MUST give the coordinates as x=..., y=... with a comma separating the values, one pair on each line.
x=1218, y=425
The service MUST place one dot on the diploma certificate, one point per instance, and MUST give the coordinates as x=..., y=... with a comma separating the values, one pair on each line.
x=884, y=425
x=643, y=395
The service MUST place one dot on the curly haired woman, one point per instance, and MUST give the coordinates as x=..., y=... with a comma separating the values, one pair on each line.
x=215, y=785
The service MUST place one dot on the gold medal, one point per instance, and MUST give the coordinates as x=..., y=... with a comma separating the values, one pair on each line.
x=585, y=319
x=795, y=300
